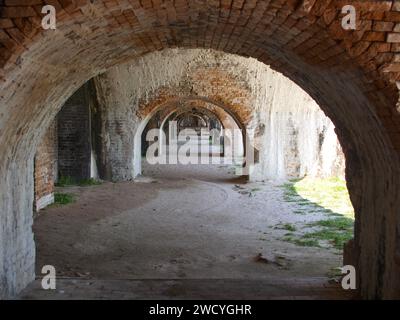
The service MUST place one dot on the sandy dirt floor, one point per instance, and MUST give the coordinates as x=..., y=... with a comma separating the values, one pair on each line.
x=178, y=222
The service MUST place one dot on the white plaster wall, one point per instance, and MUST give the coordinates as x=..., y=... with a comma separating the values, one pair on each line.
x=299, y=139
x=17, y=247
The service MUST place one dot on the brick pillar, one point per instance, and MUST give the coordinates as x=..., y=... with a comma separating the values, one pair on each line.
x=46, y=168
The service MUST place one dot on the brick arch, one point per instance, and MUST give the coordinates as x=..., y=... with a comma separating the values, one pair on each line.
x=166, y=104
x=227, y=118
x=196, y=115
x=351, y=74
x=226, y=121
x=201, y=110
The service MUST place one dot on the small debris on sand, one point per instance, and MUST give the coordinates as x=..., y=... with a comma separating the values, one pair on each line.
x=260, y=258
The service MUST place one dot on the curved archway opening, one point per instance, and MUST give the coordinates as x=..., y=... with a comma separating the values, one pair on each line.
x=339, y=69
x=171, y=110
x=282, y=121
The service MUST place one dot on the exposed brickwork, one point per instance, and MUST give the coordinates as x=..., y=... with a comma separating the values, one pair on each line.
x=74, y=145
x=351, y=74
x=46, y=159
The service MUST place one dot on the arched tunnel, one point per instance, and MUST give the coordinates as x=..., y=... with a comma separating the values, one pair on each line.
x=311, y=100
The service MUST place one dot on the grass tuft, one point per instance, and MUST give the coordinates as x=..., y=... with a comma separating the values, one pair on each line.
x=342, y=223
x=334, y=237
x=67, y=181
x=302, y=242
x=63, y=198
x=323, y=196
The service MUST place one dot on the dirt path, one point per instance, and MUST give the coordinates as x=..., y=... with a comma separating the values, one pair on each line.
x=181, y=222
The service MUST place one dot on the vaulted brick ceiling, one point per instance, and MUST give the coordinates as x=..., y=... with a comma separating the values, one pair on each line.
x=299, y=38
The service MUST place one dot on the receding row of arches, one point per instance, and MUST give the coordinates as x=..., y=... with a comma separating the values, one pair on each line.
x=112, y=139
x=351, y=74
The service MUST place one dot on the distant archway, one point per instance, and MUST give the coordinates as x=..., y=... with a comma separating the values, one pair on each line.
x=171, y=110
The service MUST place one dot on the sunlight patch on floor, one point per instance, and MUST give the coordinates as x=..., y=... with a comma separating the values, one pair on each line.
x=328, y=196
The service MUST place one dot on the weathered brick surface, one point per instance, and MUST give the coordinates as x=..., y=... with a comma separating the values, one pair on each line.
x=46, y=160
x=353, y=83
x=74, y=147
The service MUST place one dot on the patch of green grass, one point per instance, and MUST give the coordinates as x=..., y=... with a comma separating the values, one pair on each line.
x=334, y=237
x=340, y=223
x=301, y=242
x=307, y=243
x=334, y=272
x=67, y=181
x=63, y=198
x=323, y=196
x=336, y=232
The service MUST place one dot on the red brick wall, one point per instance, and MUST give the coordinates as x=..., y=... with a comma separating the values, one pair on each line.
x=46, y=168
x=73, y=131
